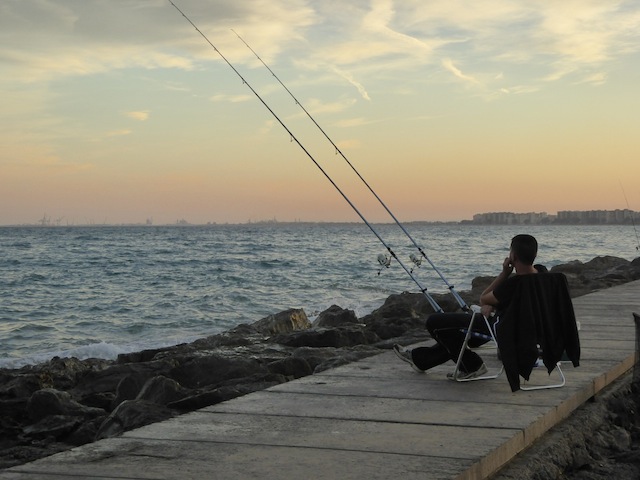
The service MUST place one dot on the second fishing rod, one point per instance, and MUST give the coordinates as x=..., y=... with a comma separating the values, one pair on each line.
x=451, y=288
x=423, y=289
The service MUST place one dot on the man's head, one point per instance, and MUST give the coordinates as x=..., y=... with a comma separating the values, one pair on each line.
x=524, y=249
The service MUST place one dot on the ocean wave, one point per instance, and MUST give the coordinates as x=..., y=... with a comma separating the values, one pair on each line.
x=102, y=291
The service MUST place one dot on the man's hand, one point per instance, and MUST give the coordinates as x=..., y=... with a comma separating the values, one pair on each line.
x=487, y=310
x=507, y=266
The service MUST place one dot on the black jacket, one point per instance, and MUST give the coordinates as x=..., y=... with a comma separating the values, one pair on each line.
x=539, y=313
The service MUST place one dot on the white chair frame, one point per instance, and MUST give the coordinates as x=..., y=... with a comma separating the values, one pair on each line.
x=562, y=382
x=492, y=339
x=469, y=333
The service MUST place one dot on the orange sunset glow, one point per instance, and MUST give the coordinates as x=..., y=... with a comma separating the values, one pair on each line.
x=119, y=112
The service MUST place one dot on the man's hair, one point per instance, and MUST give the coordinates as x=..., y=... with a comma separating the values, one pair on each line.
x=525, y=248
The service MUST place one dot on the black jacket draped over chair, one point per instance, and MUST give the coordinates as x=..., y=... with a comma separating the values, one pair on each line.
x=538, y=323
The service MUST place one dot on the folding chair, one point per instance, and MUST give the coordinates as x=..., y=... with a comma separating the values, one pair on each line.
x=538, y=327
x=490, y=342
x=561, y=383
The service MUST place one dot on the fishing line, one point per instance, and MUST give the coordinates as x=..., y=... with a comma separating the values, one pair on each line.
x=632, y=215
x=432, y=302
x=416, y=260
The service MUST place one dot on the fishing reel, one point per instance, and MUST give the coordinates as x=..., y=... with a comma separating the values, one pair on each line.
x=417, y=261
x=384, y=261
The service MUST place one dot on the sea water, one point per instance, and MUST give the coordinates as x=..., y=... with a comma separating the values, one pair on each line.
x=98, y=291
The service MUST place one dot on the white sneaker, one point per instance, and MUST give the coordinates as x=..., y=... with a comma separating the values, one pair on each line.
x=404, y=354
x=468, y=375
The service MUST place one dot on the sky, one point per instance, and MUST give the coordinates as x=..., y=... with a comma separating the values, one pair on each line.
x=119, y=111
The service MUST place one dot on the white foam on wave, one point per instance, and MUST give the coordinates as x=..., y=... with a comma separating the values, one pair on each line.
x=101, y=350
x=95, y=350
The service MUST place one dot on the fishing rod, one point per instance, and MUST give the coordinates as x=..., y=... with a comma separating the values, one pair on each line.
x=417, y=261
x=431, y=300
x=632, y=215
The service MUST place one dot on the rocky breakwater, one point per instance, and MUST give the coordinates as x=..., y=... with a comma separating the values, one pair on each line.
x=67, y=402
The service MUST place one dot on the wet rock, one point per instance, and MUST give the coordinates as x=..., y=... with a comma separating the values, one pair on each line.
x=213, y=369
x=232, y=389
x=128, y=388
x=107, y=379
x=64, y=373
x=162, y=390
x=86, y=432
x=283, y=322
x=20, y=385
x=49, y=401
x=335, y=316
x=334, y=337
x=205, y=399
x=598, y=273
x=53, y=426
x=398, y=314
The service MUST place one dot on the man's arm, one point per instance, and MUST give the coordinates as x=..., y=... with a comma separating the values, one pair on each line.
x=487, y=297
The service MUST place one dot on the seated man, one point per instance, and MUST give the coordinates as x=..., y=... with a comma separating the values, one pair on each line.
x=447, y=329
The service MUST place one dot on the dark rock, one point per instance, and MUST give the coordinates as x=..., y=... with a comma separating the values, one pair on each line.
x=162, y=390
x=20, y=386
x=103, y=400
x=139, y=357
x=230, y=389
x=128, y=388
x=132, y=414
x=64, y=373
x=86, y=432
x=479, y=285
x=205, y=399
x=598, y=273
x=107, y=379
x=13, y=411
x=335, y=316
x=49, y=401
x=288, y=321
x=291, y=367
x=212, y=369
x=243, y=330
x=53, y=426
x=590, y=444
x=398, y=314
x=334, y=337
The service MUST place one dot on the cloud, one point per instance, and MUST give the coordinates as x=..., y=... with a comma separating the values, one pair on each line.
x=597, y=78
x=378, y=21
x=41, y=41
x=349, y=144
x=447, y=63
x=349, y=78
x=231, y=98
x=317, y=106
x=138, y=115
x=352, y=122
x=119, y=133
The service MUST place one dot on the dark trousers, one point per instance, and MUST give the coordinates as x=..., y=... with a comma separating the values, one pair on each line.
x=447, y=330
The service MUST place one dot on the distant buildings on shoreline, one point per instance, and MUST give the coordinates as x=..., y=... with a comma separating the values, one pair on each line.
x=565, y=217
